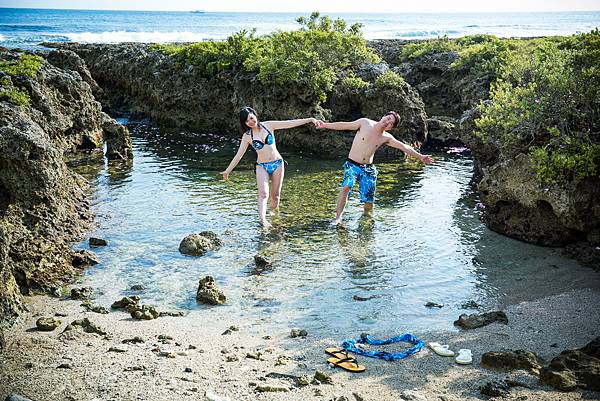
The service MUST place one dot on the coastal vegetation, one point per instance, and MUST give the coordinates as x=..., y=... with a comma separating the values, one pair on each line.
x=26, y=65
x=313, y=58
x=544, y=98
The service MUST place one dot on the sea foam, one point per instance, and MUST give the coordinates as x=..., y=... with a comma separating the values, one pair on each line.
x=128, y=36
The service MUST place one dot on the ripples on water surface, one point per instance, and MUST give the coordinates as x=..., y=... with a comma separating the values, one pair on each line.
x=424, y=243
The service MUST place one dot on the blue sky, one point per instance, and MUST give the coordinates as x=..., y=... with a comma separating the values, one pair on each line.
x=395, y=6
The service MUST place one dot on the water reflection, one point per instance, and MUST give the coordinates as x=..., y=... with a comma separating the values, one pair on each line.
x=424, y=241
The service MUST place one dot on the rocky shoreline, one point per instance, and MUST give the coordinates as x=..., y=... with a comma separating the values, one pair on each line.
x=43, y=208
x=206, y=353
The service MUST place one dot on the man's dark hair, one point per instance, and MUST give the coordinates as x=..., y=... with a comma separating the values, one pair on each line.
x=396, y=117
x=244, y=113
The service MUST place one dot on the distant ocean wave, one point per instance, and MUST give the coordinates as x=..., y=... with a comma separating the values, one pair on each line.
x=25, y=27
x=128, y=36
x=427, y=34
x=2, y=38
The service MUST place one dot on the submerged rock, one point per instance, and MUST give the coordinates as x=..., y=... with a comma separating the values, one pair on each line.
x=262, y=262
x=84, y=258
x=199, y=244
x=512, y=360
x=208, y=293
x=475, y=320
x=47, y=323
x=578, y=368
x=93, y=241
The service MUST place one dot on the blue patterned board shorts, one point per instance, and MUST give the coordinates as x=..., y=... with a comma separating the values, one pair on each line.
x=270, y=167
x=365, y=175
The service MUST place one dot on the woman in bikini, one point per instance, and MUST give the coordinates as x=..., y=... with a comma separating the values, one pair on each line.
x=260, y=136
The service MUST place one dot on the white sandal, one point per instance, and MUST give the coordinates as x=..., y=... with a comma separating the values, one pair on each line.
x=441, y=349
x=464, y=357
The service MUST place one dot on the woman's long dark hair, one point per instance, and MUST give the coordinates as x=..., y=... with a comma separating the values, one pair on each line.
x=244, y=113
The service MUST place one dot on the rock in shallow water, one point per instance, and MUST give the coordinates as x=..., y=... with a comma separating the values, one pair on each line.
x=93, y=241
x=84, y=258
x=199, y=244
x=208, y=293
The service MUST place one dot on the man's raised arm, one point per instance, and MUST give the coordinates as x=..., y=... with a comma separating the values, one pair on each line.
x=342, y=126
x=394, y=143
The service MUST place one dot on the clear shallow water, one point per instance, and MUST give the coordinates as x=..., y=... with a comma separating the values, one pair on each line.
x=26, y=28
x=424, y=243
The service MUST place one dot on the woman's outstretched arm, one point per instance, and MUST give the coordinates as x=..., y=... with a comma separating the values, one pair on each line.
x=238, y=156
x=283, y=124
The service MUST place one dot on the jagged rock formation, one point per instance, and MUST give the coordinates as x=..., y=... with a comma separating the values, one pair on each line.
x=43, y=208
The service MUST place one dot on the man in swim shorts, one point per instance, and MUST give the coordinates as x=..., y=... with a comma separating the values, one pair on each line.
x=359, y=168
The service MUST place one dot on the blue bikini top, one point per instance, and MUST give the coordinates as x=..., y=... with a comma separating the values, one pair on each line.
x=257, y=144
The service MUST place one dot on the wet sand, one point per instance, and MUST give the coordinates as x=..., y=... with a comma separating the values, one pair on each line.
x=156, y=369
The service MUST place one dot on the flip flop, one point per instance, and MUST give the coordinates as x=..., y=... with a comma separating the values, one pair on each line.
x=339, y=353
x=464, y=357
x=441, y=349
x=347, y=364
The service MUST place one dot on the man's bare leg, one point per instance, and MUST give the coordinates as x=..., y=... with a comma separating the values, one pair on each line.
x=368, y=208
x=341, y=203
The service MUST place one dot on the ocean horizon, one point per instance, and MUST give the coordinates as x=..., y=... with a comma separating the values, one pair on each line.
x=26, y=28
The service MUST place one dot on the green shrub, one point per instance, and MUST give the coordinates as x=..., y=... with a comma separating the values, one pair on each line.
x=390, y=80
x=416, y=50
x=312, y=58
x=565, y=164
x=15, y=95
x=352, y=82
x=213, y=57
x=26, y=65
x=546, y=101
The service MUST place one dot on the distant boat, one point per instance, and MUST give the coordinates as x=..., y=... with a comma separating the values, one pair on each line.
x=197, y=12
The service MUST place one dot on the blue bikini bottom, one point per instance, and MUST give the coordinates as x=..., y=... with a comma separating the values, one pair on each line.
x=270, y=167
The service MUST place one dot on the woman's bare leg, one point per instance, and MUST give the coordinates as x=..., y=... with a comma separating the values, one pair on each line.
x=276, y=184
x=262, y=181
